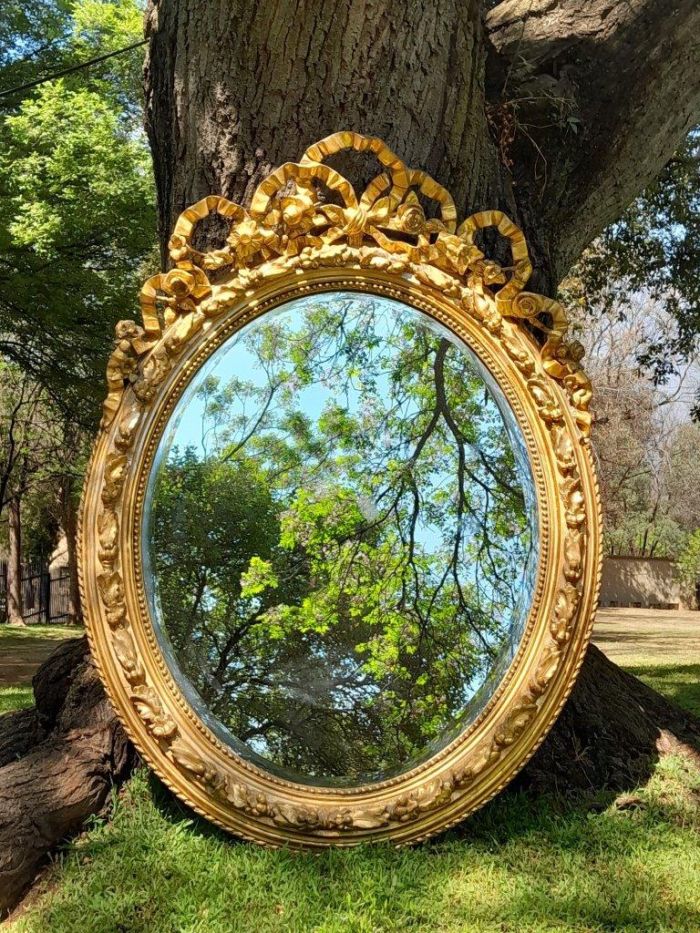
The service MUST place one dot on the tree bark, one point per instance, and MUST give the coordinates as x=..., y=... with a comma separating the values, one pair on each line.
x=235, y=89
x=14, y=563
x=58, y=763
x=606, y=92
x=598, y=94
x=69, y=523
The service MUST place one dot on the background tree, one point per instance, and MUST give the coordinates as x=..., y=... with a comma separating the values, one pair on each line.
x=77, y=227
x=643, y=436
x=42, y=459
x=75, y=192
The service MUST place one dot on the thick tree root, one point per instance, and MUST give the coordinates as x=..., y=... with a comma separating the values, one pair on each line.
x=59, y=761
x=609, y=735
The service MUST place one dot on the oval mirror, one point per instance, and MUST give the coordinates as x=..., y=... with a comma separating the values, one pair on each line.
x=340, y=537
x=340, y=533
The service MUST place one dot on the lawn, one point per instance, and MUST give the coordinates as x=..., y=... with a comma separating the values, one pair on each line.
x=15, y=697
x=678, y=682
x=519, y=865
x=661, y=648
x=22, y=649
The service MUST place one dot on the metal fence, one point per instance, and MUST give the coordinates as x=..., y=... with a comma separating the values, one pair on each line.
x=45, y=593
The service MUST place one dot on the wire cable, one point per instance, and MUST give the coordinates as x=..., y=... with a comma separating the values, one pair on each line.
x=71, y=70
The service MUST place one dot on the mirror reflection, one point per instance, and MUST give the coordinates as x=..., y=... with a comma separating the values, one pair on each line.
x=340, y=539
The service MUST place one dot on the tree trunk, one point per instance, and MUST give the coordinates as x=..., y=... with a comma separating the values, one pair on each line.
x=236, y=87
x=557, y=113
x=14, y=563
x=69, y=523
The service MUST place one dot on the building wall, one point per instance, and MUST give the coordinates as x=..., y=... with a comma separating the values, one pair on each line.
x=650, y=583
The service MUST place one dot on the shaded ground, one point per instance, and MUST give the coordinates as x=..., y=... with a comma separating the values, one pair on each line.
x=23, y=648
x=648, y=636
x=660, y=647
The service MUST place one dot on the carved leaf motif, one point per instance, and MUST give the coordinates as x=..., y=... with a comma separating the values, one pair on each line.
x=115, y=471
x=574, y=502
x=150, y=709
x=127, y=426
x=573, y=556
x=186, y=758
x=437, y=279
x=519, y=356
x=367, y=819
x=565, y=607
x=110, y=587
x=564, y=451
x=546, y=670
x=127, y=656
x=236, y=794
x=544, y=399
x=285, y=813
x=518, y=718
x=108, y=532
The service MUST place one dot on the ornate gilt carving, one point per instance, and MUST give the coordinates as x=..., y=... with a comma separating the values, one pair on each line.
x=306, y=226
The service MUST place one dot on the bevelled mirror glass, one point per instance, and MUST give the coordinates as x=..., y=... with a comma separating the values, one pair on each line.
x=340, y=537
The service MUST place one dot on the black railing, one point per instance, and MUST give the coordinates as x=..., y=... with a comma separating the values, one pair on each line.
x=45, y=593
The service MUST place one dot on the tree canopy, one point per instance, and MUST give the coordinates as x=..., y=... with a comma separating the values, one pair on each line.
x=76, y=192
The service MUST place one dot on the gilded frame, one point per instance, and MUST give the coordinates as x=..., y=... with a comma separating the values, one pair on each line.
x=291, y=243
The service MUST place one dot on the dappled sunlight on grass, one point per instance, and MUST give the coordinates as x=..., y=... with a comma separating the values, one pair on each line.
x=18, y=697
x=520, y=864
x=9, y=633
x=24, y=647
x=680, y=683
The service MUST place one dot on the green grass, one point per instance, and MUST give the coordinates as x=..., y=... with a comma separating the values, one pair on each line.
x=22, y=648
x=679, y=682
x=18, y=697
x=28, y=633
x=519, y=865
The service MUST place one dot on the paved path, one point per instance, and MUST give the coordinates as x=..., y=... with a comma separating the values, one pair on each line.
x=638, y=636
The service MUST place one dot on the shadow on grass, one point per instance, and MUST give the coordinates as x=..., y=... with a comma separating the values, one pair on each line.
x=520, y=864
x=680, y=683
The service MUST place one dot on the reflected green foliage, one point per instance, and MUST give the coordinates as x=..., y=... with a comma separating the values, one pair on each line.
x=340, y=536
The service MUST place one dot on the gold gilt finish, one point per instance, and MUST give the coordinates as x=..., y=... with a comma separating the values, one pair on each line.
x=306, y=230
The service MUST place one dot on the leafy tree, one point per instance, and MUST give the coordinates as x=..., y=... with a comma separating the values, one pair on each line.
x=644, y=442
x=76, y=197
x=652, y=249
